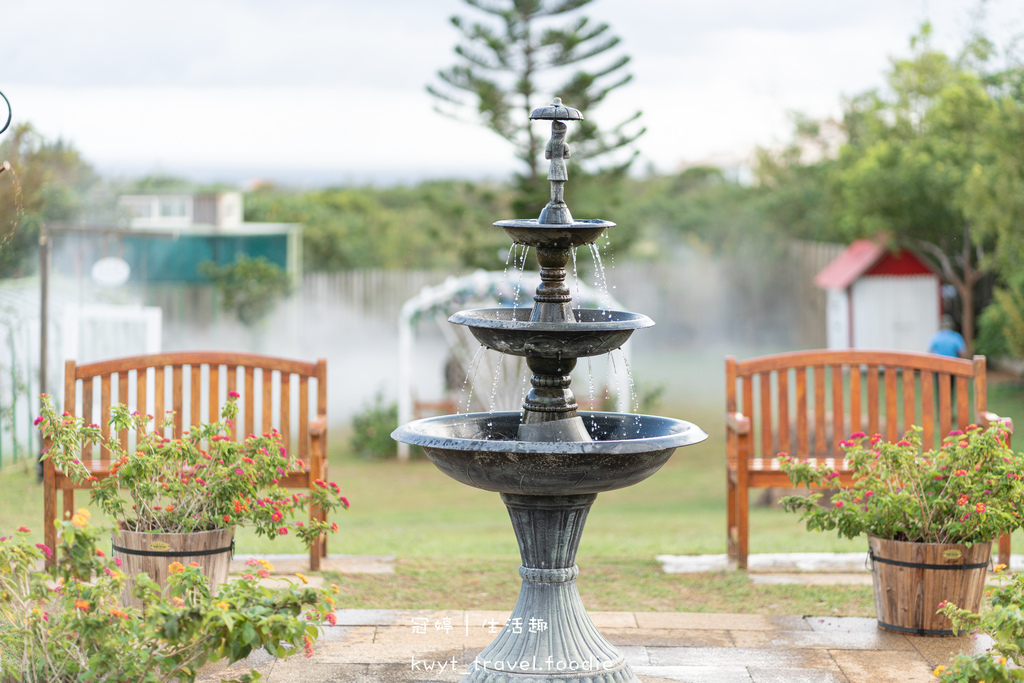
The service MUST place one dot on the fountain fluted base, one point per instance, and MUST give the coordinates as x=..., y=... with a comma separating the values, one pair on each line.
x=549, y=636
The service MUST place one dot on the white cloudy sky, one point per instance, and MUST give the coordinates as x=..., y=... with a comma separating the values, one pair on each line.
x=333, y=90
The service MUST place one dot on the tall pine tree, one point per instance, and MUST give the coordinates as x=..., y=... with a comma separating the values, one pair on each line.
x=523, y=58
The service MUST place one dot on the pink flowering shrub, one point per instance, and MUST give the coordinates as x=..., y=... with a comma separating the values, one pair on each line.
x=969, y=490
x=68, y=624
x=203, y=481
x=1004, y=622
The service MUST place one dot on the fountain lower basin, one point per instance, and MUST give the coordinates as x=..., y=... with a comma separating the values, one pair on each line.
x=481, y=450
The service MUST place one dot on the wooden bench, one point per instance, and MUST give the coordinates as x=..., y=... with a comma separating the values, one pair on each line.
x=195, y=385
x=804, y=403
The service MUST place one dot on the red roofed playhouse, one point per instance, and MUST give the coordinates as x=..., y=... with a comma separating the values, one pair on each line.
x=880, y=298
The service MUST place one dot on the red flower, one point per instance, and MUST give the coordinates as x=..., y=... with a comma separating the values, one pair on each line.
x=283, y=531
x=857, y=435
x=962, y=500
x=227, y=518
x=24, y=529
x=979, y=508
x=234, y=394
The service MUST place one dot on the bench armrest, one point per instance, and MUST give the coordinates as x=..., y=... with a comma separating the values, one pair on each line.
x=318, y=426
x=989, y=419
x=737, y=422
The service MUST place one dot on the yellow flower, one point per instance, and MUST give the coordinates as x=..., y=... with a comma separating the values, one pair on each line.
x=938, y=670
x=82, y=511
x=79, y=521
x=175, y=568
x=1002, y=660
x=302, y=576
x=999, y=567
x=223, y=605
x=334, y=588
x=266, y=565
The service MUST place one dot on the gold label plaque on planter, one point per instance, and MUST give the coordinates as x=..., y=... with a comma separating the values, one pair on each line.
x=160, y=546
x=948, y=554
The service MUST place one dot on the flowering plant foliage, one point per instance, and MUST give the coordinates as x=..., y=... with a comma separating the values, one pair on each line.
x=969, y=490
x=1004, y=622
x=69, y=625
x=178, y=486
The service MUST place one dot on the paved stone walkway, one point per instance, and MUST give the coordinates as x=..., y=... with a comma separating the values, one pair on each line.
x=392, y=646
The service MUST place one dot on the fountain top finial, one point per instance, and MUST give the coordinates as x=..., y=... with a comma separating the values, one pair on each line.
x=556, y=111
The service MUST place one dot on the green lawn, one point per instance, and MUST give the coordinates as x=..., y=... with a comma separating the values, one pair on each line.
x=432, y=524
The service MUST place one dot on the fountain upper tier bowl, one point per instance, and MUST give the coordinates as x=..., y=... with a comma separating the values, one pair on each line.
x=481, y=450
x=510, y=330
x=557, y=235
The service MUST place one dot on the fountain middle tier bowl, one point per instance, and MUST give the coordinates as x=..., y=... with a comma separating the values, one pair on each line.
x=510, y=330
x=481, y=450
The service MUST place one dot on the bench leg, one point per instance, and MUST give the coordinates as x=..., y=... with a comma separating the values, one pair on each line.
x=742, y=524
x=50, y=512
x=69, y=503
x=1004, y=550
x=315, y=548
x=731, y=530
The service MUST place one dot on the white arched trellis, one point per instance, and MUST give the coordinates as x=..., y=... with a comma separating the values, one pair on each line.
x=484, y=289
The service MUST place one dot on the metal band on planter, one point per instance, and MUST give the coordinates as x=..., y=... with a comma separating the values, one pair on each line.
x=922, y=565
x=917, y=631
x=176, y=553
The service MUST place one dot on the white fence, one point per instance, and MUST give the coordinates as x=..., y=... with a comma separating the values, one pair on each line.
x=77, y=330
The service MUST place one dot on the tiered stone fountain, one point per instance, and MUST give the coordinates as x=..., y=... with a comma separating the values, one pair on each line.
x=550, y=461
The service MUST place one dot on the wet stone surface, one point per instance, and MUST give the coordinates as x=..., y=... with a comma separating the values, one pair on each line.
x=380, y=646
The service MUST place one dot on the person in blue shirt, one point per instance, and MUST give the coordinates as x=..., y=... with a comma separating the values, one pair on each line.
x=947, y=341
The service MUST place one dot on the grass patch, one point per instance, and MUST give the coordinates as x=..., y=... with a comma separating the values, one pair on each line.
x=455, y=547
x=615, y=584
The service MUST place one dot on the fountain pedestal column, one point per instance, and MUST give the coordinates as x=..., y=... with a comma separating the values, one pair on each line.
x=549, y=636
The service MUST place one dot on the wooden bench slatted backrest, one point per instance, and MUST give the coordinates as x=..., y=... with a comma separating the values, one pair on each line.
x=806, y=403
x=836, y=393
x=154, y=384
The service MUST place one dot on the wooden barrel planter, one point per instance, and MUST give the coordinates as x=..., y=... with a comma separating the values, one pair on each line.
x=153, y=553
x=911, y=579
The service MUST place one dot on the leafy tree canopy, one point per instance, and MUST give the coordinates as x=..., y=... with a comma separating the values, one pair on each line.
x=523, y=54
x=48, y=181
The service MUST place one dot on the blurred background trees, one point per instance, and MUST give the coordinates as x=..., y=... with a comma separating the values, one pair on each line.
x=934, y=159
x=49, y=180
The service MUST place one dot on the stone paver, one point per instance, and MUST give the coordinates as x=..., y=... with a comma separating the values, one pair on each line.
x=872, y=666
x=387, y=646
x=669, y=637
x=938, y=650
x=827, y=640
x=775, y=658
x=730, y=622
